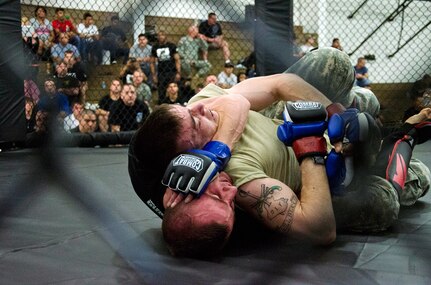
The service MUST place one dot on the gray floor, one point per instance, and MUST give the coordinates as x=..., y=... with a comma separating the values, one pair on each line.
x=80, y=222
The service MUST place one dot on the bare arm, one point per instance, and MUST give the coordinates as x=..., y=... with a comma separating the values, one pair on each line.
x=309, y=217
x=265, y=90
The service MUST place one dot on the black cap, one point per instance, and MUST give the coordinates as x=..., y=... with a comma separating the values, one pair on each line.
x=228, y=64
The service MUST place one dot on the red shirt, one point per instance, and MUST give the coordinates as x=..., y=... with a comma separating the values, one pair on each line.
x=64, y=26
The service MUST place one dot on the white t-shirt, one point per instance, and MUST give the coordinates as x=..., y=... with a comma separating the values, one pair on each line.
x=90, y=30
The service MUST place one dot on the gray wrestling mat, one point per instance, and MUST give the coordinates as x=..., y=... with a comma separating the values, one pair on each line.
x=80, y=222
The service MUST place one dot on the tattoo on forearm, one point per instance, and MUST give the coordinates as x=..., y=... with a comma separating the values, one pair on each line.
x=268, y=207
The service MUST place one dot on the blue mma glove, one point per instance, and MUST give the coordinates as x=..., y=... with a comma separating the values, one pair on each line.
x=302, y=119
x=192, y=171
x=350, y=126
x=336, y=172
x=303, y=128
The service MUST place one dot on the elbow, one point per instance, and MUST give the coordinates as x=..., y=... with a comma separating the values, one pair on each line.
x=326, y=236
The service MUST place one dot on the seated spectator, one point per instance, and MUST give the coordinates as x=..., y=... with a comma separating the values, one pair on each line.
x=114, y=39
x=141, y=51
x=211, y=32
x=127, y=71
x=211, y=78
x=31, y=90
x=143, y=91
x=58, y=50
x=420, y=95
x=308, y=45
x=173, y=96
x=30, y=39
x=186, y=89
x=361, y=73
x=76, y=70
x=105, y=105
x=30, y=115
x=418, y=103
x=189, y=49
x=336, y=44
x=90, y=44
x=226, y=78
x=241, y=76
x=66, y=84
x=53, y=103
x=63, y=24
x=127, y=114
x=71, y=121
x=87, y=123
x=44, y=31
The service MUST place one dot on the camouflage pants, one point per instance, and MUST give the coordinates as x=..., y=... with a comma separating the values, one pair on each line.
x=370, y=203
x=331, y=72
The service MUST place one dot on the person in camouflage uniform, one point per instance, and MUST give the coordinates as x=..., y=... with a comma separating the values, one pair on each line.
x=188, y=49
x=369, y=203
x=330, y=71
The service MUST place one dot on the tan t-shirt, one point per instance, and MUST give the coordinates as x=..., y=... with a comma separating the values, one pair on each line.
x=258, y=153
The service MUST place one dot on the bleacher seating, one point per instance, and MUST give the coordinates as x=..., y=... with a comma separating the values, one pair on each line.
x=240, y=38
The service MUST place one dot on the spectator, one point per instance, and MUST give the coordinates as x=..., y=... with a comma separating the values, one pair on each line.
x=66, y=84
x=143, y=91
x=362, y=73
x=44, y=31
x=188, y=49
x=127, y=71
x=186, y=89
x=211, y=32
x=90, y=44
x=142, y=52
x=71, y=121
x=418, y=103
x=336, y=44
x=77, y=70
x=87, y=123
x=420, y=95
x=52, y=103
x=31, y=90
x=173, y=95
x=226, y=78
x=63, y=24
x=30, y=39
x=114, y=40
x=211, y=78
x=308, y=45
x=241, y=76
x=30, y=116
x=58, y=50
x=164, y=54
x=105, y=104
x=127, y=114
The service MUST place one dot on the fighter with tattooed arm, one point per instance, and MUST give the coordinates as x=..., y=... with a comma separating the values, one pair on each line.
x=285, y=188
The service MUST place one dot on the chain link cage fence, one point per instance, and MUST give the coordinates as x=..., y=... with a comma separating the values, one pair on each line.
x=95, y=52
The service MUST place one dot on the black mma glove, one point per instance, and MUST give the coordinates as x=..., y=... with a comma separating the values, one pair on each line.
x=192, y=171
